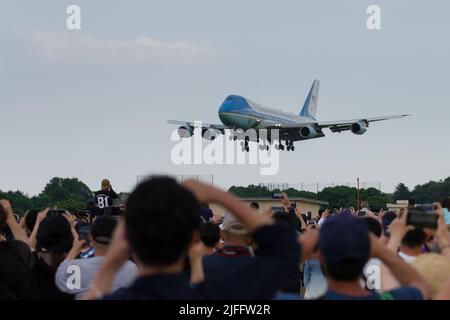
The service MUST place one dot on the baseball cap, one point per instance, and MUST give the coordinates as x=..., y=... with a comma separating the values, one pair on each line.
x=103, y=228
x=54, y=235
x=344, y=240
x=232, y=225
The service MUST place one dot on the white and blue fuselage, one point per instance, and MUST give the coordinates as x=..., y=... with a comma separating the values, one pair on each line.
x=241, y=113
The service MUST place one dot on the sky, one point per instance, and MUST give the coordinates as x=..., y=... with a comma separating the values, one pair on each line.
x=93, y=103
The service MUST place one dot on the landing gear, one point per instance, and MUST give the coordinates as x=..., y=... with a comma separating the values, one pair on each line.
x=244, y=145
x=289, y=146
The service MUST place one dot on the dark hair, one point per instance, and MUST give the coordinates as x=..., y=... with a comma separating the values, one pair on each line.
x=445, y=202
x=160, y=221
x=3, y=218
x=373, y=225
x=30, y=219
x=346, y=270
x=411, y=202
x=414, y=238
x=254, y=205
x=210, y=234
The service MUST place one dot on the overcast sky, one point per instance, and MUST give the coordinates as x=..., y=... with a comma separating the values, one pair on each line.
x=93, y=103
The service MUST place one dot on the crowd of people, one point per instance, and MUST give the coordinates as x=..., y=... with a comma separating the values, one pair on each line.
x=165, y=242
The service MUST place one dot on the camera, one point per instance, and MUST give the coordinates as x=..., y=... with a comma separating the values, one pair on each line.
x=277, y=195
x=422, y=216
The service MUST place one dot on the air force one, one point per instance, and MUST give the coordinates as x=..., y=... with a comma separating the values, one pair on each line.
x=239, y=114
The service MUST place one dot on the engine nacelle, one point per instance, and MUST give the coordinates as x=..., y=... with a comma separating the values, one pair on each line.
x=307, y=132
x=210, y=134
x=358, y=127
x=185, y=132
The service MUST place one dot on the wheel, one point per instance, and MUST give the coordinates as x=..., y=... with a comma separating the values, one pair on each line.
x=288, y=148
x=247, y=138
x=281, y=147
x=242, y=143
x=243, y=149
x=293, y=148
x=267, y=148
x=247, y=149
x=234, y=138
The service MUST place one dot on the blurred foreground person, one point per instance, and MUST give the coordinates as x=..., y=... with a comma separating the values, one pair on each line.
x=100, y=238
x=16, y=277
x=345, y=246
x=160, y=228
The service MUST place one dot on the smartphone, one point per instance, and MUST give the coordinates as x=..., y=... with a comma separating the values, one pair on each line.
x=277, y=209
x=309, y=222
x=422, y=219
x=83, y=230
x=428, y=208
x=277, y=195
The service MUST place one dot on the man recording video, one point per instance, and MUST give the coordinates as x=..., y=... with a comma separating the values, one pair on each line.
x=105, y=197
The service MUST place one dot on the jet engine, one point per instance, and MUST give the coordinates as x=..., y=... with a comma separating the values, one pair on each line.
x=210, y=134
x=358, y=127
x=185, y=131
x=307, y=132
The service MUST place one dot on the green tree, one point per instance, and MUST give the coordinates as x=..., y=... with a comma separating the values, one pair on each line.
x=401, y=192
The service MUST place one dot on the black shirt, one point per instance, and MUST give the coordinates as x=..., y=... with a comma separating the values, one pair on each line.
x=45, y=278
x=260, y=278
x=105, y=198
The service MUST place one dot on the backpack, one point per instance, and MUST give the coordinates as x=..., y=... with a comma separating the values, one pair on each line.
x=16, y=277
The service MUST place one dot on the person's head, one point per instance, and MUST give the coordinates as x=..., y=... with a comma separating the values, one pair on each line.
x=414, y=239
x=254, y=206
x=101, y=232
x=387, y=219
x=445, y=203
x=54, y=239
x=411, y=203
x=234, y=232
x=106, y=184
x=210, y=234
x=3, y=218
x=373, y=225
x=161, y=219
x=364, y=204
x=434, y=268
x=30, y=219
x=344, y=247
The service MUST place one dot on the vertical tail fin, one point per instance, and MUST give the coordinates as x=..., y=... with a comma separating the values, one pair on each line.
x=309, y=109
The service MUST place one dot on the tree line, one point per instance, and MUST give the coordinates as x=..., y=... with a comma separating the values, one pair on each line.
x=73, y=194
x=344, y=196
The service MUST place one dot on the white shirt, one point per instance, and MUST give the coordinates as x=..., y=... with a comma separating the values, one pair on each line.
x=406, y=258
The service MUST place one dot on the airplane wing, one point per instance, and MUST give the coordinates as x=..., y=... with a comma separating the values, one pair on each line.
x=343, y=125
x=193, y=124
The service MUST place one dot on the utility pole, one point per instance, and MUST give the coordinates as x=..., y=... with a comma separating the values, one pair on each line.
x=357, y=194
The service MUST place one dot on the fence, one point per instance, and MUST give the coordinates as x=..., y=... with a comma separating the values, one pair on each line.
x=319, y=186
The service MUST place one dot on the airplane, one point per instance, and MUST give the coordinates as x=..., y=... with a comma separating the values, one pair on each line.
x=239, y=114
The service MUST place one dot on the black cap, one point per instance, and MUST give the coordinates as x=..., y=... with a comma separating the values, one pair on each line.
x=103, y=228
x=54, y=235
